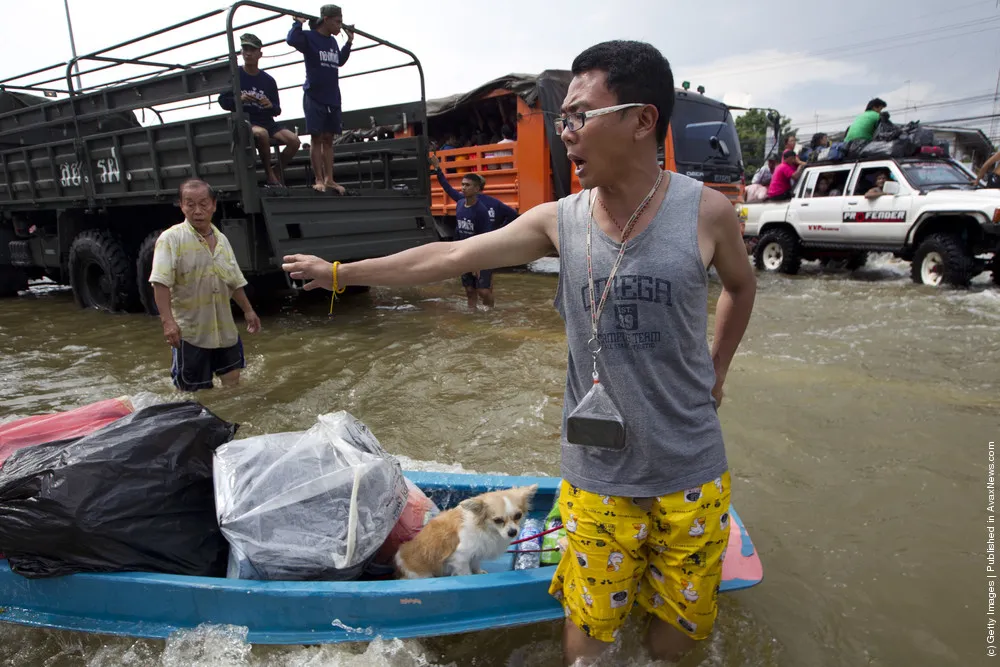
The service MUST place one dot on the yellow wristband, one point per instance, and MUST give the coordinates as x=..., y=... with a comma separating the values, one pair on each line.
x=336, y=287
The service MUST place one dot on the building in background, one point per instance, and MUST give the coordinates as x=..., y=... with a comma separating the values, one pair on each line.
x=970, y=146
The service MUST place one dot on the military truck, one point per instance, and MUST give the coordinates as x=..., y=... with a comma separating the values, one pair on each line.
x=89, y=173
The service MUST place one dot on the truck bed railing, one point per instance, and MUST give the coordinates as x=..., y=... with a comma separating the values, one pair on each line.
x=500, y=172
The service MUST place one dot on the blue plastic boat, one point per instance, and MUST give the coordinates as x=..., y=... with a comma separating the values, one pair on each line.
x=277, y=612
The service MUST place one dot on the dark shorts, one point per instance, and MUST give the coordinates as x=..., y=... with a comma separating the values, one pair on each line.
x=194, y=366
x=272, y=128
x=485, y=280
x=321, y=118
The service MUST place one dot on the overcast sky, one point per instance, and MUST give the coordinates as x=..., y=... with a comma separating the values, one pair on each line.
x=818, y=65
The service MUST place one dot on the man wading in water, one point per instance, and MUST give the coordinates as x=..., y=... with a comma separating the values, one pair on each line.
x=476, y=213
x=665, y=489
x=194, y=276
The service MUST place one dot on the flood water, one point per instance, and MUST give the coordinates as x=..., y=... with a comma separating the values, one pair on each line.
x=857, y=419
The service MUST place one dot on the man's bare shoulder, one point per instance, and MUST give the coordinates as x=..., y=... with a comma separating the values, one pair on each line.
x=543, y=217
x=716, y=210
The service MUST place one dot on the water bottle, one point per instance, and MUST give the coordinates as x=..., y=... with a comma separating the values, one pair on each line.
x=550, y=543
x=528, y=552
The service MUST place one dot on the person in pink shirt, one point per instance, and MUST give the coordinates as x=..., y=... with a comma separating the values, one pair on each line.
x=784, y=177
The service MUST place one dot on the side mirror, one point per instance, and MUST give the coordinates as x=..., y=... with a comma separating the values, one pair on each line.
x=719, y=145
x=891, y=188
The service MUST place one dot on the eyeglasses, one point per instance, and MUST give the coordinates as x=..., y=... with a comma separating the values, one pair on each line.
x=574, y=121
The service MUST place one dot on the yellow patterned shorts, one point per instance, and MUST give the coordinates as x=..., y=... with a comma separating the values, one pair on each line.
x=665, y=552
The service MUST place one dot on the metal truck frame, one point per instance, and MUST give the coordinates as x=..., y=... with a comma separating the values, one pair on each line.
x=85, y=188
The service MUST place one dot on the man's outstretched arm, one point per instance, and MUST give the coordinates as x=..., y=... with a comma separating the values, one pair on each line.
x=531, y=236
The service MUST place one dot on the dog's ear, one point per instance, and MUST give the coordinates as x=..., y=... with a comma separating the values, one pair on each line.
x=528, y=494
x=474, y=505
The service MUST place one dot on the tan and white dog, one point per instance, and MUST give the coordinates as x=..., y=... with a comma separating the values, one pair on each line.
x=456, y=541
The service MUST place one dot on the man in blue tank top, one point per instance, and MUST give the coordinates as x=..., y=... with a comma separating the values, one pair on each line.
x=646, y=508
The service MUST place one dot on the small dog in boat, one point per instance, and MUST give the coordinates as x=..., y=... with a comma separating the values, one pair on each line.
x=456, y=541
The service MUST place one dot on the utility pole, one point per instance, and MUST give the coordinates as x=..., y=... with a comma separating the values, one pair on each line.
x=72, y=44
x=906, y=107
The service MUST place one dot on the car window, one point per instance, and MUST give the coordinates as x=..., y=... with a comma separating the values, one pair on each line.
x=866, y=179
x=930, y=173
x=835, y=179
x=810, y=184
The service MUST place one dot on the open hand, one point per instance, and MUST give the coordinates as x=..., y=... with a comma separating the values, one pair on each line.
x=316, y=270
x=253, y=322
x=172, y=333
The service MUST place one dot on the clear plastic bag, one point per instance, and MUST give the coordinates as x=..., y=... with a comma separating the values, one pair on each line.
x=596, y=421
x=313, y=505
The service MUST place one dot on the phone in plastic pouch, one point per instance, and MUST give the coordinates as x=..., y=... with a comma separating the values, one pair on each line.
x=596, y=421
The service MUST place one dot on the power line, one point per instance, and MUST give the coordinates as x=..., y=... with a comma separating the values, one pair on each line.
x=862, y=48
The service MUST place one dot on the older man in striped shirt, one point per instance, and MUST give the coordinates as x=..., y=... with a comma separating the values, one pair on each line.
x=194, y=276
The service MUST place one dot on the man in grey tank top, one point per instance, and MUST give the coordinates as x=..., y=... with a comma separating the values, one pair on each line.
x=646, y=508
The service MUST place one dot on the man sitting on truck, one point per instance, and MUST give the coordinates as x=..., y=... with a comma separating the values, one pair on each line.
x=864, y=125
x=259, y=95
x=784, y=177
x=194, y=276
x=476, y=213
x=321, y=99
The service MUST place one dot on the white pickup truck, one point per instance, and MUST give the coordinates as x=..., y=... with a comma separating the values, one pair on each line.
x=930, y=215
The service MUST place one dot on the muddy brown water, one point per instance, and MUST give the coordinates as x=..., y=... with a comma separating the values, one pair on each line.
x=857, y=419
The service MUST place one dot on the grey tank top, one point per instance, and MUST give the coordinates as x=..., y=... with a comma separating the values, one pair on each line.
x=655, y=362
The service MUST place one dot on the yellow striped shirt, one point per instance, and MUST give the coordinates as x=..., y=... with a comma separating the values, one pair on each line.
x=201, y=284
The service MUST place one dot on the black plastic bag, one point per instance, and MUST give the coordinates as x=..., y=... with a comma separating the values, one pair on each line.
x=886, y=130
x=136, y=495
x=854, y=147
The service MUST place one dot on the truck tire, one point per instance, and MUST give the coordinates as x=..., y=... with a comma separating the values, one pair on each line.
x=856, y=260
x=143, y=267
x=101, y=274
x=778, y=250
x=13, y=279
x=941, y=259
x=996, y=267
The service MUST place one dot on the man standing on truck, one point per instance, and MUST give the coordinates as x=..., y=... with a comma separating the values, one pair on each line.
x=194, y=276
x=261, y=102
x=643, y=239
x=864, y=125
x=476, y=213
x=321, y=93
